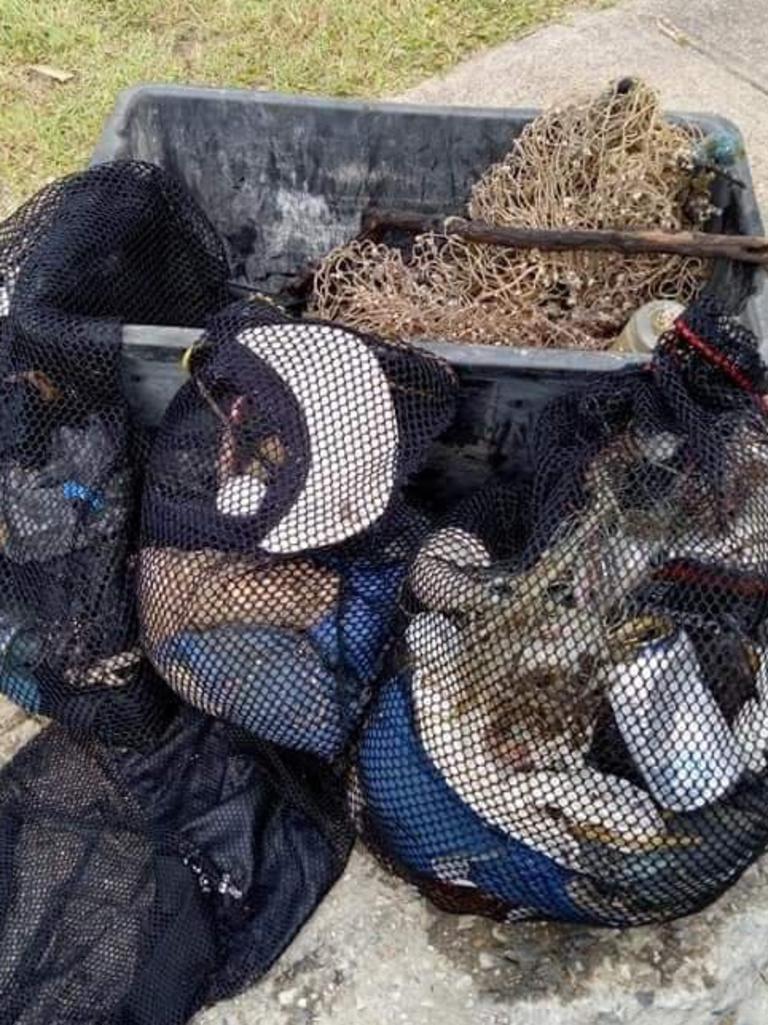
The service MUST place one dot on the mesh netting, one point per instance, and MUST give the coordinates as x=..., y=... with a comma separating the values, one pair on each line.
x=612, y=161
x=117, y=243
x=152, y=858
x=138, y=886
x=573, y=721
x=577, y=721
x=274, y=532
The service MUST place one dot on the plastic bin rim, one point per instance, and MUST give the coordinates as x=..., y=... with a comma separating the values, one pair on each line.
x=127, y=98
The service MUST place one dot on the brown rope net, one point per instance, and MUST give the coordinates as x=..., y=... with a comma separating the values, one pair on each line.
x=610, y=162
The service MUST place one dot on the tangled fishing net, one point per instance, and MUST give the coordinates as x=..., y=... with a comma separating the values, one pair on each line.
x=612, y=162
x=577, y=720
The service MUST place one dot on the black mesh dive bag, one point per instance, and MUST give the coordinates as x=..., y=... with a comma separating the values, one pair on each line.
x=138, y=886
x=576, y=723
x=118, y=243
x=274, y=531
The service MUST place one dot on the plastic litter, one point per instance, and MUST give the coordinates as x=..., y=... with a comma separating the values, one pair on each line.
x=275, y=529
x=575, y=723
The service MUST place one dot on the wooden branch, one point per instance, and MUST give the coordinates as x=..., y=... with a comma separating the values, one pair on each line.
x=743, y=248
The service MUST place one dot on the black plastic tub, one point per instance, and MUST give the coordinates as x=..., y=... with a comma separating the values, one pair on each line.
x=286, y=178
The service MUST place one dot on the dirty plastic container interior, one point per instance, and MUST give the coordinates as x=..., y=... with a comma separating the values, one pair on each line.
x=284, y=179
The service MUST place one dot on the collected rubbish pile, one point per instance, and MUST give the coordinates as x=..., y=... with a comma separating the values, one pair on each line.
x=247, y=558
x=579, y=707
x=256, y=640
x=274, y=534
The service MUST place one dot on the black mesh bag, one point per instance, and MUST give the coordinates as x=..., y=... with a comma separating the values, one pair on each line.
x=118, y=243
x=274, y=531
x=576, y=724
x=139, y=886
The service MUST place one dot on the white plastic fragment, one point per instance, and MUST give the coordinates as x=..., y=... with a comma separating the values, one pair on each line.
x=351, y=421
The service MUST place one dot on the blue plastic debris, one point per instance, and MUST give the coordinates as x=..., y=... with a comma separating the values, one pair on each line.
x=428, y=828
x=72, y=489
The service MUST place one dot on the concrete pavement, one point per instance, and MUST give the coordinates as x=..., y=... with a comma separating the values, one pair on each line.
x=702, y=55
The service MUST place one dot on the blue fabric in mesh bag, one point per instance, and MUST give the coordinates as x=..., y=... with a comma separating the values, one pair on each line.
x=423, y=823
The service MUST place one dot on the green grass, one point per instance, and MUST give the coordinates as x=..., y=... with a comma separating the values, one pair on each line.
x=334, y=47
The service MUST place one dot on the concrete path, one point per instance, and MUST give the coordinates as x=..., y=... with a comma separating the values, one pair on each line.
x=702, y=55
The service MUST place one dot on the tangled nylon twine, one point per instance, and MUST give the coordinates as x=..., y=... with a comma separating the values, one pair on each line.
x=611, y=162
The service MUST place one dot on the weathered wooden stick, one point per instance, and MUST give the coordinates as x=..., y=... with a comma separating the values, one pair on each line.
x=743, y=248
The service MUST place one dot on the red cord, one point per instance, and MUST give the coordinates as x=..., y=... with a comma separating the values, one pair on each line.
x=748, y=586
x=712, y=355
